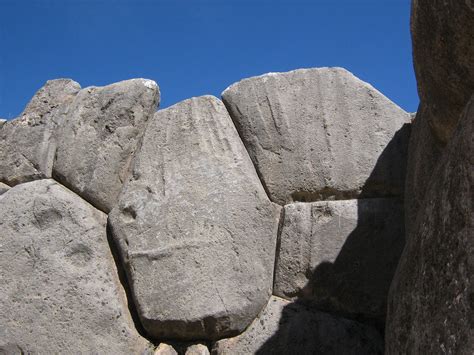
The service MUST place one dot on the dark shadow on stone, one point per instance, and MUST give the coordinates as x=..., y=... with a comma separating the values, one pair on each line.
x=360, y=275
x=124, y=281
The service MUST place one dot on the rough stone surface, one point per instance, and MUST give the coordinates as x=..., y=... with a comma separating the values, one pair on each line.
x=197, y=349
x=60, y=289
x=424, y=153
x=443, y=52
x=27, y=143
x=430, y=308
x=165, y=349
x=196, y=231
x=2, y=121
x=319, y=134
x=97, y=141
x=293, y=328
x=341, y=255
x=3, y=188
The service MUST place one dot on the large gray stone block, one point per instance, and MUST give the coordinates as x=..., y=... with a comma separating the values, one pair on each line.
x=430, y=308
x=443, y=51
x=293, y=328
x=59, y=285
x=196, y=230
x=319, y=134
x=341, y=255
x=27, y=143
x=97, y=142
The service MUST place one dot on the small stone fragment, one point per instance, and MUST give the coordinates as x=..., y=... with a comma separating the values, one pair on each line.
x=165, y=349
x=197, y=349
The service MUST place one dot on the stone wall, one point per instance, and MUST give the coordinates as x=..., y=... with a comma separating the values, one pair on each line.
x=269, y=222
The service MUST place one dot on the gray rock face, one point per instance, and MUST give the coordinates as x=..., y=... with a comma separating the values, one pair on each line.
x=2, y=121
x=317, y=134
x=3, y=188
x=293, y=328
x=341, y=255
x=165, y=349
x=97, y=141
x=27, y=143
x=425, y=151
x=196, y=231
x=430, y=308
x=443, y=37
x=197, y=349
x=60, y=289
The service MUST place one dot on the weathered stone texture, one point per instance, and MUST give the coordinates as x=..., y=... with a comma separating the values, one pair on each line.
x=27, y=143
x=443, y=52
x=197, y=349
x=97, y=142
x=292, y=328
x=165, y=349
x=60, y=289
x=196, y=230
x=3, y=188
x=318, y=134
x=341, y=255
x=431, y=298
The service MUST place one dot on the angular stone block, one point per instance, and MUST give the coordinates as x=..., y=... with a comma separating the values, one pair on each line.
x=293, y=328
x=320, y=134
x=27, y=143
x=60, y=289
x=195, y=228
x=341, y=255
x=98, y=139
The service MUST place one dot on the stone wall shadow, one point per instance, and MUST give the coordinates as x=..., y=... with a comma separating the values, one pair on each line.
x=367, y=261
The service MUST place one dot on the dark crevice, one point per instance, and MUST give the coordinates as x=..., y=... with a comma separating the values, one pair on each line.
x=237, y=128
x=124, y=282
x=278, y=243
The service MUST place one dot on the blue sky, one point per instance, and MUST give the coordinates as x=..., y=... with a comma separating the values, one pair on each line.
x=198, y=47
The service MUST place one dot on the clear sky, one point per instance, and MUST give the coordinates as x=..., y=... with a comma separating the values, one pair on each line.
x=198, y=47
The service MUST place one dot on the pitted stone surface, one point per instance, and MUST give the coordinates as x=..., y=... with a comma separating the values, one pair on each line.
x=293, y=328
x=430, y=308
x=60, y=289
x=196, y=230
x=341, y=255
x=27, y=143
x=319, y=134
x=98, y=140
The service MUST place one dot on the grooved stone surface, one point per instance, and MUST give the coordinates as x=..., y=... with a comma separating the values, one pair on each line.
x=443, y=51
x=293, y=328
x=97, y=141
x=59, y=287
x=27, y=143
x=341, y=255
x=196, y=230
x=430, y=308
x=320, y=134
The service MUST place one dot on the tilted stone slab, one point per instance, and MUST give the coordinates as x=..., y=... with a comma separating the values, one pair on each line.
x=341, y=255
x=97, y=141
x=60, y=289
x=27, y=143
x=293, y=328
x=430, y=308
x=319, y=134
x=196, y=230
